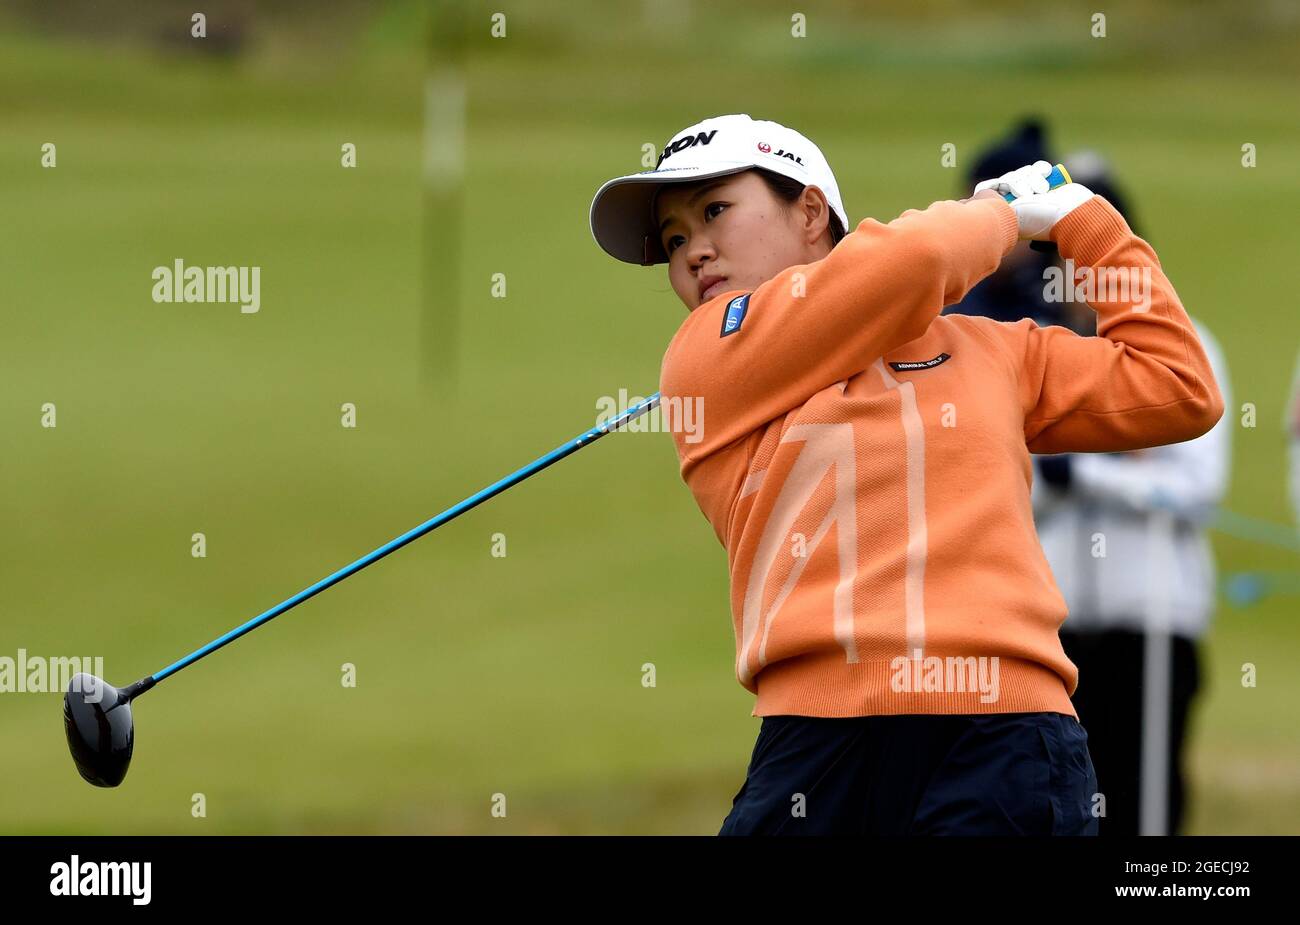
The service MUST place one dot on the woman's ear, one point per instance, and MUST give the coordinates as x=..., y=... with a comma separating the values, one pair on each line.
x=814, y=213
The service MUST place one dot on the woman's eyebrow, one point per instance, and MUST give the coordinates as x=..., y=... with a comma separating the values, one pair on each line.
x=691, y=201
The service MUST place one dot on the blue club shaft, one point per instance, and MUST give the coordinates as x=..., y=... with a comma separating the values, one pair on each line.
x=433, y=523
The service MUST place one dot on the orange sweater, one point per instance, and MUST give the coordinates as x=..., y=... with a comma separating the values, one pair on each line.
x=865, y=460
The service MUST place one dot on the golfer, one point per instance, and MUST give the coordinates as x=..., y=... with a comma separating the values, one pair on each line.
x=865, y=463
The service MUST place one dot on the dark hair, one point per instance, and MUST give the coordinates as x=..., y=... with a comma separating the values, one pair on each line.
x=787, y=189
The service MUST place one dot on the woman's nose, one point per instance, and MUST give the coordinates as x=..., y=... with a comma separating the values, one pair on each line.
x=701, y=251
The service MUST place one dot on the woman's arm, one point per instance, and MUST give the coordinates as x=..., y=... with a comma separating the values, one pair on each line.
x=815, y=324
x=1187, y=479
x=1143, y=381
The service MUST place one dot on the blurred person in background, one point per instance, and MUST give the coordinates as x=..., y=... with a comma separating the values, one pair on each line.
x=1155, y=573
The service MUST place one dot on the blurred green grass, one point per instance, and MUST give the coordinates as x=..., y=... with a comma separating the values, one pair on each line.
x=519, y=675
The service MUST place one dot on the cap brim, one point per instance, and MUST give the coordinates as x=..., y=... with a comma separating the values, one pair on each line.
x=620, y=211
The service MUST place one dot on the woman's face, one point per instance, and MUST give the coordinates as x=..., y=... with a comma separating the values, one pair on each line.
x=735, y=230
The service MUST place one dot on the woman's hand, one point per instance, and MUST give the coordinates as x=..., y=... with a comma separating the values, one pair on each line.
x=1038, y=208
x=982, y=194
x=1039, y=213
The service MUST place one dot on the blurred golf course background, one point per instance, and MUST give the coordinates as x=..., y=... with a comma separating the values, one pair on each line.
x=522, y=674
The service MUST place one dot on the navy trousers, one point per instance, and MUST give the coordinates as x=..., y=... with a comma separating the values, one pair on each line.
x=987, y=774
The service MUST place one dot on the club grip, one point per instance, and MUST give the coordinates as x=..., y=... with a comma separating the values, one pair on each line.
x=1058, y=177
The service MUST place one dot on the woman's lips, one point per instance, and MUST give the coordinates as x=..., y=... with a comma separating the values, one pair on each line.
x=712, y=287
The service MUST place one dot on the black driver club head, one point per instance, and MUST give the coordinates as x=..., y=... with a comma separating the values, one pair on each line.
x=97, y=719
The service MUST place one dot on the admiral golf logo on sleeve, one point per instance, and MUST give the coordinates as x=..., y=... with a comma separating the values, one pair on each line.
x=103, y=878
x=735, y=315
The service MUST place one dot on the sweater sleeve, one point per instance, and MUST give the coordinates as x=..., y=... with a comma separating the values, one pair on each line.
x=1186, y=479
x=1143, y=381
x=815, y=324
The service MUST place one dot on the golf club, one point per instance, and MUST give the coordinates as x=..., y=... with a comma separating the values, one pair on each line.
x=97, y=716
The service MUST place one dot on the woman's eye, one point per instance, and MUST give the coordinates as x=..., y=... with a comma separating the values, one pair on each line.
x=671, y=245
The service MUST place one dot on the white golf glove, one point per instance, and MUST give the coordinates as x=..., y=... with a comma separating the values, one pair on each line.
x=1037, y=208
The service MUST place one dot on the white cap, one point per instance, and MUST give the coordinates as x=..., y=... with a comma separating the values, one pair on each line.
x=621, y=219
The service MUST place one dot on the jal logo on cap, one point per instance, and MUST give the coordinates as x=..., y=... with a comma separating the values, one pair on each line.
x=681, y=144
x=780, y=152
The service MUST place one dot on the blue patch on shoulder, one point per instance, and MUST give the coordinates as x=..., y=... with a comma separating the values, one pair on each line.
x=735, y=315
